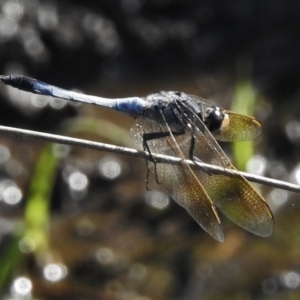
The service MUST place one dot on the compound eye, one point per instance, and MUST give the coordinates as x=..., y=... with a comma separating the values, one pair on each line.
x=213, y=118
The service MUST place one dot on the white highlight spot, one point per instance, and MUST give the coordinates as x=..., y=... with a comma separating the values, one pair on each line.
x=12, y=195
x=55, y=272
x=278, y=196
x=4, y=154
x=290, y=280
x=21, y=288
x=78, y=181
x=105, y=256
x=256, y=165
x=292, y=130
x=157, y=199
x=27, y=245
x=109, y=167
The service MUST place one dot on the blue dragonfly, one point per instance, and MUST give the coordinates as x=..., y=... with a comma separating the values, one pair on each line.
x=185, y=126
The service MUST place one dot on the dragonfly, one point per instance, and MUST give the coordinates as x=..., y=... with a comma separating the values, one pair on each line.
x=188, y=127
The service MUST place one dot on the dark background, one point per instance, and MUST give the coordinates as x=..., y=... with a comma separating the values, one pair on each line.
x=135, y=47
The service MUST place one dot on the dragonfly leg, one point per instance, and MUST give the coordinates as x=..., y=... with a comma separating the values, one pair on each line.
x=153, y=136
x=194, y=158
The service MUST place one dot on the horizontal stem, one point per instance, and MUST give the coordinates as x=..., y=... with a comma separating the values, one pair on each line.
x=24, y=133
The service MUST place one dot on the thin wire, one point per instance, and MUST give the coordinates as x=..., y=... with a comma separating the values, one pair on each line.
x=59, y=139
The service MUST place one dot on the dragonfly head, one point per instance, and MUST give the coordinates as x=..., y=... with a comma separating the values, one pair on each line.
x=215, y=119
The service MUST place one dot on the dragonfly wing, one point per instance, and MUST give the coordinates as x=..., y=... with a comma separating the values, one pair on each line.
x=239, y=128
x=179, y=180
x=240, y=202
x=233, y=195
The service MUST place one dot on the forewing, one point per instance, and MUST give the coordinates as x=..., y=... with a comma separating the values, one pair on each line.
x=179, y=180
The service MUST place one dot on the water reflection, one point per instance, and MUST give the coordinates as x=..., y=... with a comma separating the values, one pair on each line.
x=9, y=192
x=296, y=174
x=292, y=130
x=27, y=245
x=33, y=45
x=257, y=165
x=290, y=280
x=277, y=198
x=78, y=181
x=6, y=226
x=109, y=167
x=104, y=33
x=13, y=10
x=12, y=195
x=277, y=170
x=105, y=256
x=4, y=154
x=55, y=272
x=60, y=150
x=137, y=271
x=269, y=286
x=39, y=101
x=11, y=166
x=47, y=16
x=8, y=28
x=57, y=103
x=157, y=199
x=14, y=168
x=21, y=288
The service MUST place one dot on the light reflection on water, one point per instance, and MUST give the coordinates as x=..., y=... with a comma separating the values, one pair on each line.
x=21, y=288
x=27, y=245
x=4, y=154
x=292, y=130
x=13, y=10
x=14, y=168
x=55, y=272
x=257, y=165
x=60, y=150
x=290, y=279
x=6, y=226
x=47, y=16
x=105, y=256
x=12, y=195
x=78, y=181
x=9, y=192
x=57, y=103
x=278, y=197
x=295, y=177
x=277, y=170
x=269, y=286
x=110, y=167
x=39, y=101
x=157, y=199
x=137, y=271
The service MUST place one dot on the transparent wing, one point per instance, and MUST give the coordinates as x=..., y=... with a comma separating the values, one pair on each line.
x=239, y=128
x=233, y=195
x=179, y=180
